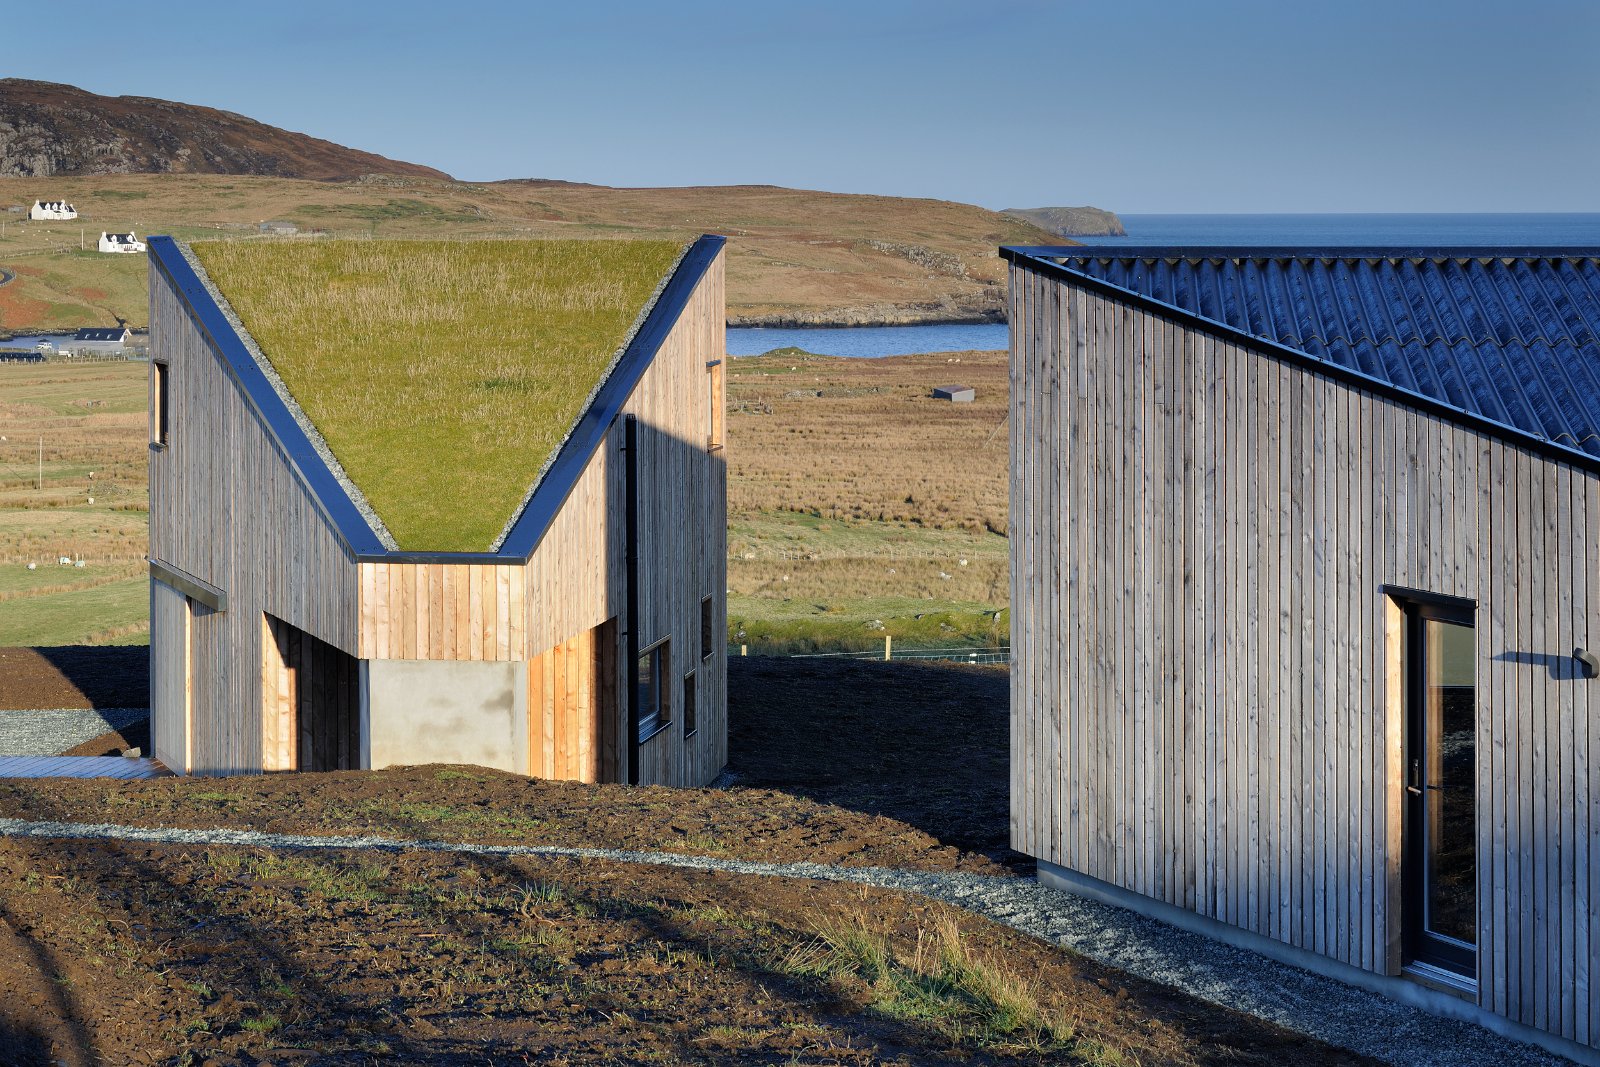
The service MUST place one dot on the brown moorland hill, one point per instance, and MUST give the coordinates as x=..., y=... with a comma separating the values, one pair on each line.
x=49, y=129
x=794, y=257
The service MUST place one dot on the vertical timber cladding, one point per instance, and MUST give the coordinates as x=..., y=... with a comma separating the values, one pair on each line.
x=574, y=583
x=1204, y=705
x=227, y=507
x=682, y=524
x=169, y=676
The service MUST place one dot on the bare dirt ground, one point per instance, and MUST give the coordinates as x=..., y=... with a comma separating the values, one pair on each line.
x=74, y=676
x=122, y=953
x=140, y=954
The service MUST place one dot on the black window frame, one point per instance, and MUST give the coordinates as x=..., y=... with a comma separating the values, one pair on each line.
x=691, y=704
x=653, y=714
x=1418, y=944
x=161, y=413
x=708, y=627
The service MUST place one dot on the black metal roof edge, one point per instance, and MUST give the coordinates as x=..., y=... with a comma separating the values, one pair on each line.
x=1010, y=252
x=562, y=477
x=1019, y=255
x=330, y=497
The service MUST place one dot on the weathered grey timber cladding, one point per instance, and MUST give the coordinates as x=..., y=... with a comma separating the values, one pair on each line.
x=1206, y=697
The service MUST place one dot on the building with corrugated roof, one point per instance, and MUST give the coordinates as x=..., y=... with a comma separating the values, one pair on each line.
x=1305, y=574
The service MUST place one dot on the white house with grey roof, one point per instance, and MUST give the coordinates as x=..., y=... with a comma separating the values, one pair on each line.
x=120, y=242
x=52, y=211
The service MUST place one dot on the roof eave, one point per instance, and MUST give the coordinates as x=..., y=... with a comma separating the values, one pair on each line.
x=1041, y=258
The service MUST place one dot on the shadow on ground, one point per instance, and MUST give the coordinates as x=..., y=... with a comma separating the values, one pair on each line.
x=75, y=676
x=924, y=743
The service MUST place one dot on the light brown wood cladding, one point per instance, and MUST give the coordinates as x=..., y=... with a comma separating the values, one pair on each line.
x=573, y=708
x=227, y=507
x=1203, y=700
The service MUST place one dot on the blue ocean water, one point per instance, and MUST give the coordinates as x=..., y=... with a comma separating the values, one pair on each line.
x=1316, y=231
x=1361, y=230
x=870, y=342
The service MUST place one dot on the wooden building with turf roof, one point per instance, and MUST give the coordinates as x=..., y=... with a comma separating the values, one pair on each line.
x=417, y=502
x=1305, y=575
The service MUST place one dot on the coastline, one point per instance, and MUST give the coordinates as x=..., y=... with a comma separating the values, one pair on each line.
x=846, y=318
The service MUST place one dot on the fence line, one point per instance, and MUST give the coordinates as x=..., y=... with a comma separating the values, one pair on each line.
x=966, y=654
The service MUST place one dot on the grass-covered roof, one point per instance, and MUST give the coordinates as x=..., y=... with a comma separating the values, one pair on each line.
x=443, y=375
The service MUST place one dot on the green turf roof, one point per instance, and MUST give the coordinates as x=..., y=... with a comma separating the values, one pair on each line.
x=443, y=375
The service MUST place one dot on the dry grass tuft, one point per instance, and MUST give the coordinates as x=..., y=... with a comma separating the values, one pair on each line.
x=442, y=374
x=942, y=982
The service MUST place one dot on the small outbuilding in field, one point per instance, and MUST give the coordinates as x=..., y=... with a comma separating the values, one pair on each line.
x=493, y=535
x=1305, y=567
x=960, y=394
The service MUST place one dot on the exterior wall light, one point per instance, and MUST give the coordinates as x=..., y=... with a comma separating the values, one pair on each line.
x=1589, y=662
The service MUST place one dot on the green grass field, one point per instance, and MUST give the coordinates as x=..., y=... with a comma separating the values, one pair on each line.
x=92, y=505
x=116, y=613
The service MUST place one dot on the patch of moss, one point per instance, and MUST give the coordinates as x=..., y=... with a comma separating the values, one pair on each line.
x=442, y=374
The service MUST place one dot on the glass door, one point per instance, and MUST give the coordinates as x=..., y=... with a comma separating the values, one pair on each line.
x=1441, y=834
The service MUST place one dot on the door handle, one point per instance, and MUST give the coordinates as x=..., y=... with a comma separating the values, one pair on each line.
x=1414, y=786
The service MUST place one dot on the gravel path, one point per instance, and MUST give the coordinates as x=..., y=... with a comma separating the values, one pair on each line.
x=1321, y=1007
x=51, y=731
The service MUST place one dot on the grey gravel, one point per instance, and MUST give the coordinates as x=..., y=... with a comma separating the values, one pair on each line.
x=1320, y=1007
x=51, y=731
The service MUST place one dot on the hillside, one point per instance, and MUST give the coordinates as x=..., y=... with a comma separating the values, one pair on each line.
x=794, y=256
x=48, y=129
x=1071, y=221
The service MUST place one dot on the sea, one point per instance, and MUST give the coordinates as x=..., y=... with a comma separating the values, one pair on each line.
x=1518, y=230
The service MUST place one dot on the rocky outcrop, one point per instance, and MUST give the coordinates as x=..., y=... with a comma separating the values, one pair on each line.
x=928, y=259
x=1071, y=221
x=47, y=129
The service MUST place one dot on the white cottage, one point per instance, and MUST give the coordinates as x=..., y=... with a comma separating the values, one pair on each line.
x=120, y=242
x=52, y=210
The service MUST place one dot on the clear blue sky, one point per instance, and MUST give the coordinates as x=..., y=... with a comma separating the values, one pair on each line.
x=1134, y=105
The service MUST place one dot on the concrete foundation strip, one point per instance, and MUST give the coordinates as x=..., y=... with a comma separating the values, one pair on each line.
x=1310, y=1004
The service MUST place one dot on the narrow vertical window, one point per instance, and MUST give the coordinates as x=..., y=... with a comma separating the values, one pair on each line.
x=714, y=404
x=1440, y=825
x=650, y=698
x=690, y=707
x=160, y=405
x=708, y=628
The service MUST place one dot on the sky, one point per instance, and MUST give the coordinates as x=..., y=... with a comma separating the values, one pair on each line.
x=1137, y=106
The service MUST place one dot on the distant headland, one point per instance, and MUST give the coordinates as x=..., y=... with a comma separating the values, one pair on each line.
x=1071, y=221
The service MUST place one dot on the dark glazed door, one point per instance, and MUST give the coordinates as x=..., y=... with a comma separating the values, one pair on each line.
x=1441, y=832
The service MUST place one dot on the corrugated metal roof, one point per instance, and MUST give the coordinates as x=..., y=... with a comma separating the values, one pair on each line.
x=1511, y=338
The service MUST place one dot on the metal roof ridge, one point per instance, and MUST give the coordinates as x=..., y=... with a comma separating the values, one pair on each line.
x=1405, y=251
